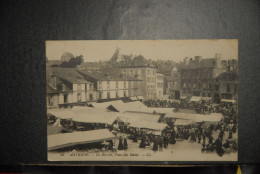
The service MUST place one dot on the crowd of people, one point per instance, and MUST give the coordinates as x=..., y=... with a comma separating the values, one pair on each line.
x=229, y=110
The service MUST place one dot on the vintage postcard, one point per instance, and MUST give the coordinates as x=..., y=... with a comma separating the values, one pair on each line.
x=142, y=100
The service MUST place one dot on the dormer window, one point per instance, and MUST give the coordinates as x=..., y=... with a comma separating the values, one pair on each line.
x=63, y=87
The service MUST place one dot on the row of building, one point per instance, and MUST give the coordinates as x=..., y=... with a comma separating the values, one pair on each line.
x=213, y=78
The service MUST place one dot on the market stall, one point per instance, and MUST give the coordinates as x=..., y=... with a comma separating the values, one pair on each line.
x=58, y=141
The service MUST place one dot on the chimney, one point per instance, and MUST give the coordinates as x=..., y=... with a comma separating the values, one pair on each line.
x=198, y=59
x=186, y=61
x=217, y=60
x=53, y=80
x=190, y=60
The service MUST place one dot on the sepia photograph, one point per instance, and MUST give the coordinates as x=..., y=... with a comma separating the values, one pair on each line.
x=142, y=100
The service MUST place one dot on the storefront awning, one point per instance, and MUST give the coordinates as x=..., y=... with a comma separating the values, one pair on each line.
x=58, y=141
x=148, y=125
x=140, y=97
x=206, y=98
x=195, y=99
x=62, y=113
x=181, y=122
x=228, y=100
x=133, y=98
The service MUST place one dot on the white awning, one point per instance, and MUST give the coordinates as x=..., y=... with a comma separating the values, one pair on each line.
x=206, y=98
x=183, y=97
x=179, y=115
x=132, y=117
x=213, y=117
x=140, y=97
x=133, y=98
x=95, y=117
x=83, y=137
x=148, y=125
x=182, y=122
x=228, y=101
x=62, y=113
x=195, y=99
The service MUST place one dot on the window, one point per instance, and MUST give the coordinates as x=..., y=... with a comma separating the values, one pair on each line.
x=124, y=84
x=79, y=97
x=63, y=87
x=100, y=85
x=108, y=95
x=235, y=88
x=216, y=87
x=116, y=84
x=90, y=97
x=79, y=87
x=100, y=95
x=90, y=86
x=117, y=94
x=108, y=84
x=50, y=100
x=86, y=86
x=125, y=94
x=65, y=98
x=228, y=87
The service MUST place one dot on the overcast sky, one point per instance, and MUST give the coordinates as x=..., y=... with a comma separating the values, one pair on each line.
x=176, y=50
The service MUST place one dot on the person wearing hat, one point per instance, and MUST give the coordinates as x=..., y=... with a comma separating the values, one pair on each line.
x=230, y=129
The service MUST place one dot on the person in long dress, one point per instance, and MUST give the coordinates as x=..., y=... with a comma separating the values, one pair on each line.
x=120, y=145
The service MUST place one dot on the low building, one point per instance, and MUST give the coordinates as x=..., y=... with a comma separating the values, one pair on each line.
x=65, y=86
x=111, y=86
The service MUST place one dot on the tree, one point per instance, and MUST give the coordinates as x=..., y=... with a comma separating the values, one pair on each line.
x=73, y=62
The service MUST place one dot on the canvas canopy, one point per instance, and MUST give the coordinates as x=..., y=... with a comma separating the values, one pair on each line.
x=179, y=115
x=62, y=113
x=162, y=110
x=195, y=99
x=183, y=97
x=83, y=137
x=140, y=97
x=213, y=117
x=136, y=106
x=228, y=101
x=148, y=125
x=206, y=98
x=95, y=117
x=134, y=117
x=133, y=98
x=182, y=122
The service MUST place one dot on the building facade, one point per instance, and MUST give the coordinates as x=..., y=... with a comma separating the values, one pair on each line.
x=225, y=86
x=111, y=86
x=159, y=84
x=172, y=84
x=148, y=76
x=67, y=87
x=197, y=74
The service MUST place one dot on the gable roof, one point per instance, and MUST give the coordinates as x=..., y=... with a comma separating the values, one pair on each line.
x=104, y=76
x=204, y=63
x=68, y=74
x=228, y=76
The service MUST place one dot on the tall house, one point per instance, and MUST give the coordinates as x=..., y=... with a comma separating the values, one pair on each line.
x=172, y=84
x=225, y=86
x=65, y=86
x=197, y=74
x=111, y=86
x=148, y=75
